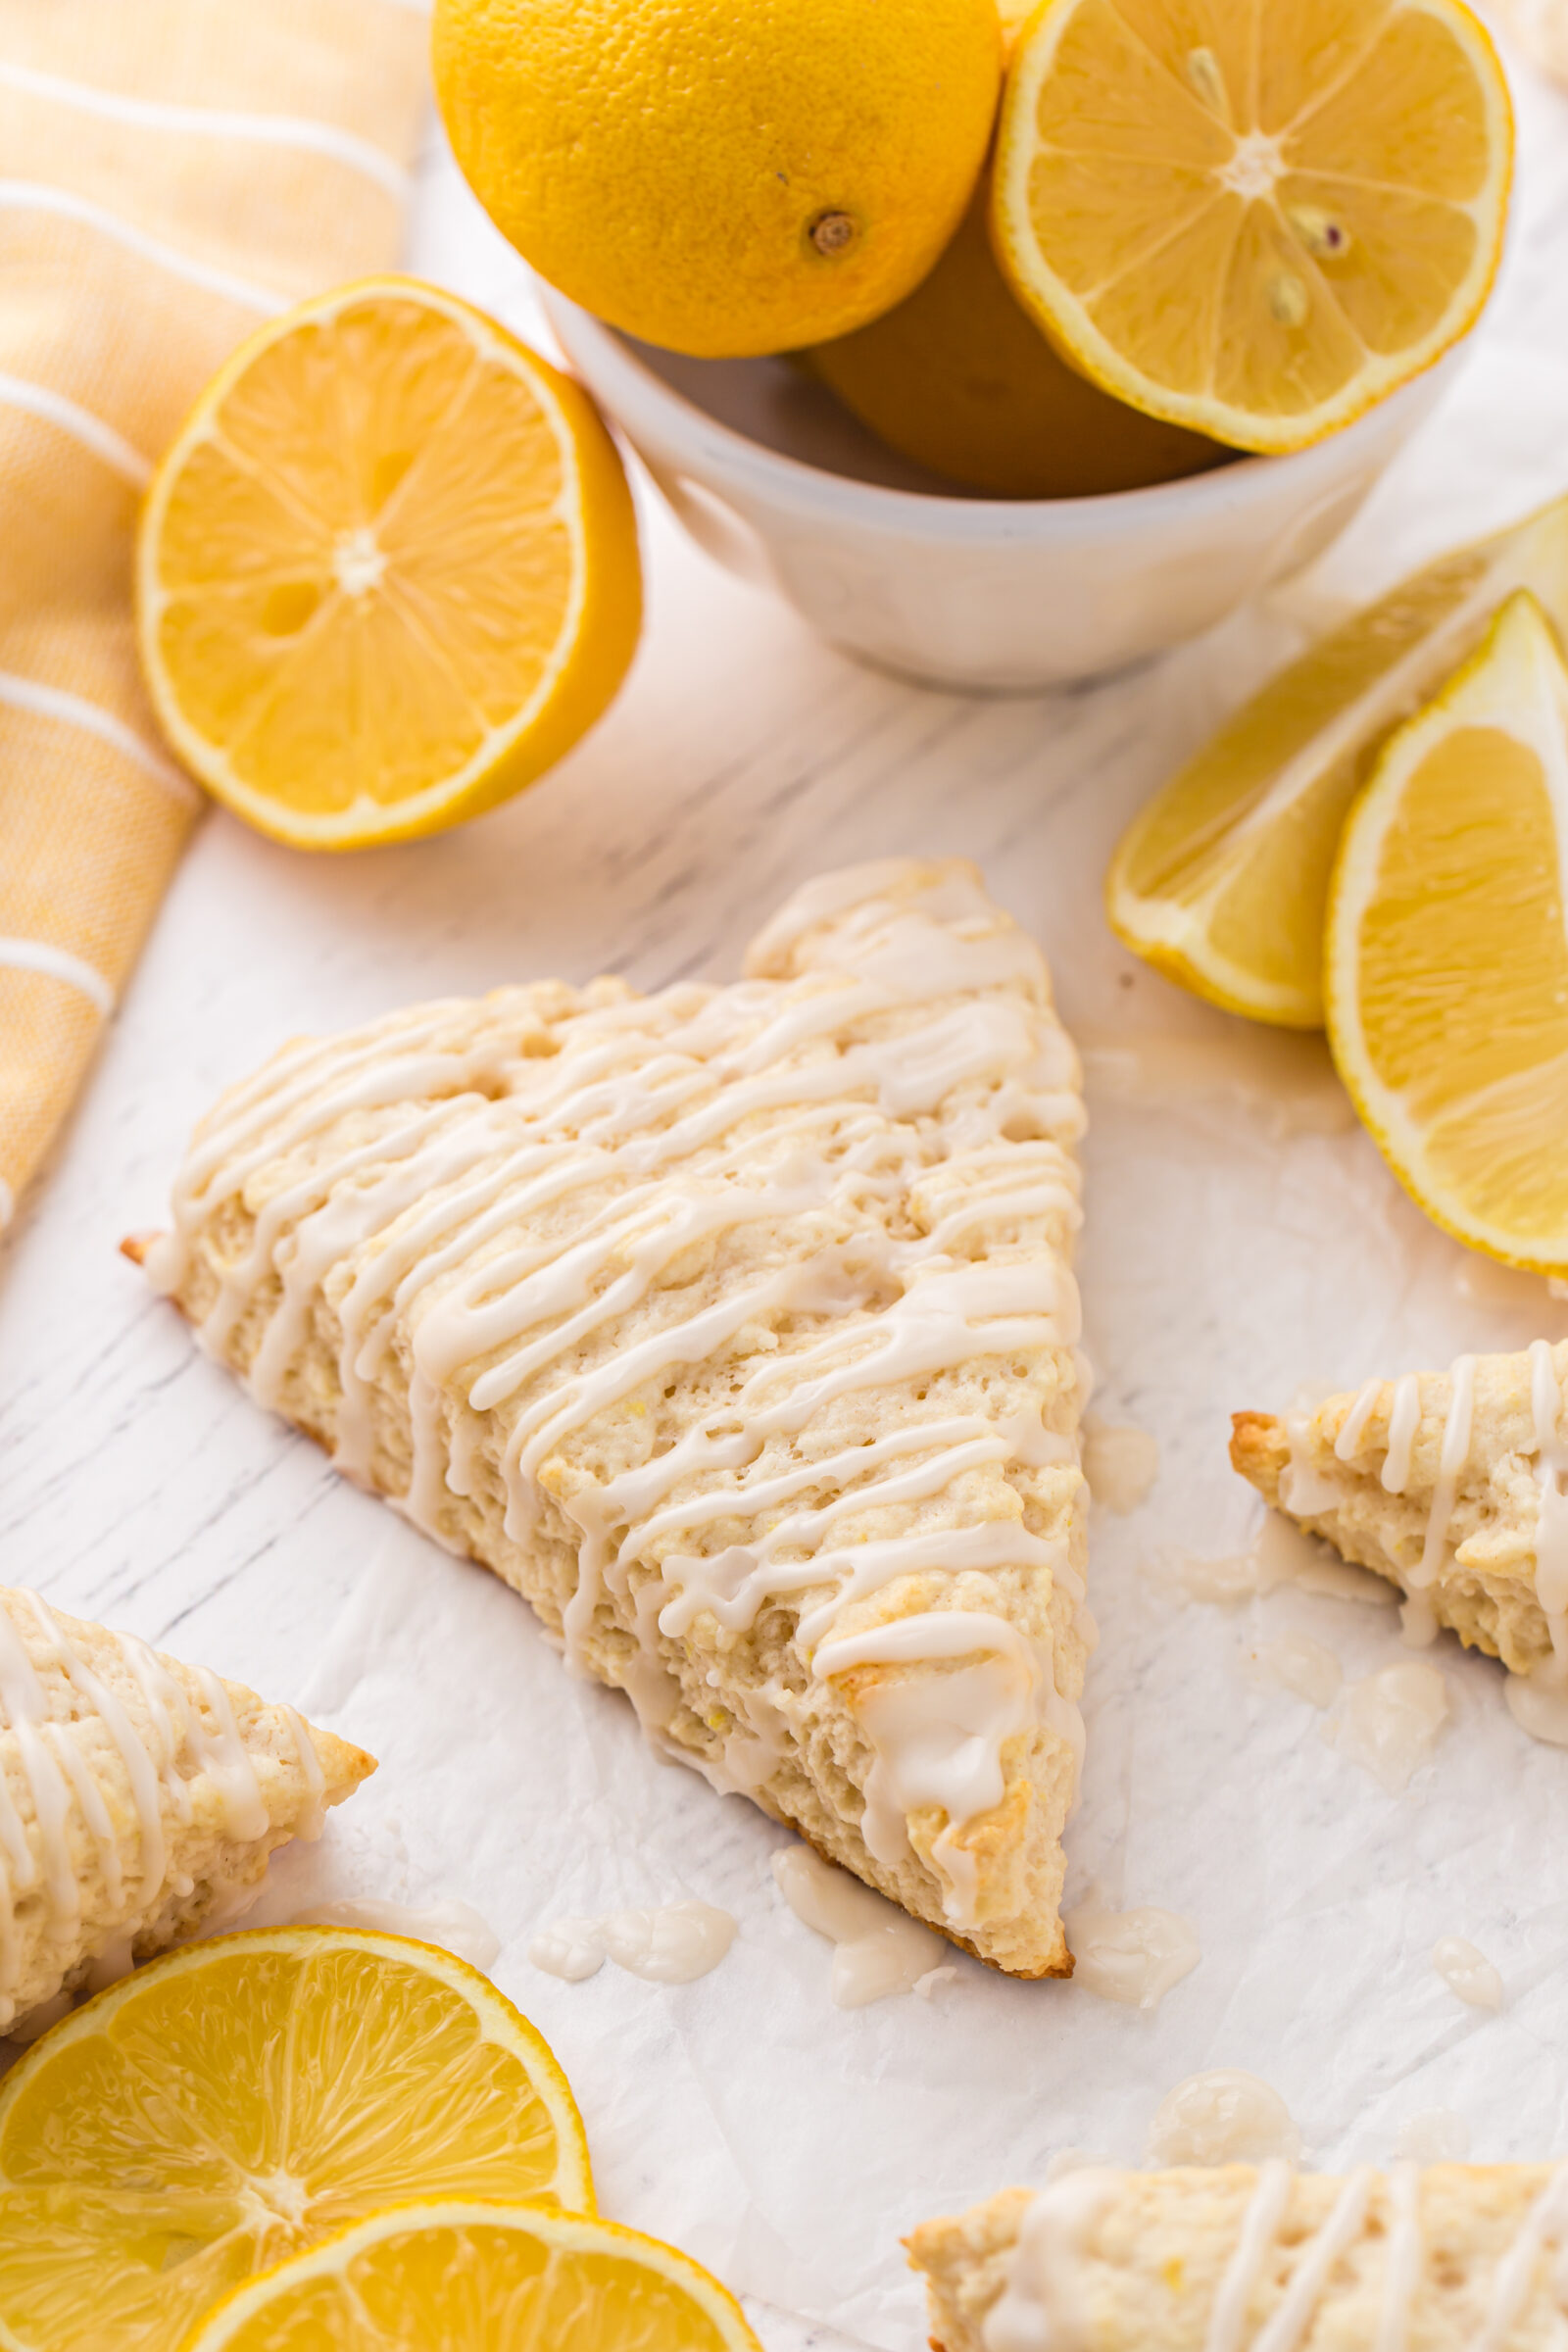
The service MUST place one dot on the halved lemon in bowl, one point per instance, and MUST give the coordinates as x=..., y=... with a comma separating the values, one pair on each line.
x=388, y=573
x=1446, y=956
x=1255, y=218
x=491, y=2277
x=236, y=2100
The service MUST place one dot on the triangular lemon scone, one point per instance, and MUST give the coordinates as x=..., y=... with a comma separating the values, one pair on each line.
x=139, y=1799
x=735, y=1328
x=1449, y=1484
x=1238, y=2258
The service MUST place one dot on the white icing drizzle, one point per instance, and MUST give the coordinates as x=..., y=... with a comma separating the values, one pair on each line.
x=1347, y=1445
x=1314, y=2265
x=1551, y=1524
x=313, y=1814
x=1543, y=2226
x=1403, y=1422
x=1042, y=2307
x=938, y=1742
x=1260, y=2223
x=1403, y=2257
x=1451, y=1464
x=460, y=1144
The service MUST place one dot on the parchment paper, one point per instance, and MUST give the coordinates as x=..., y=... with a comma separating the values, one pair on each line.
x=788, y=2143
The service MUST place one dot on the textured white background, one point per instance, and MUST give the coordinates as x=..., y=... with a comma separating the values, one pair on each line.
x=785, y=2142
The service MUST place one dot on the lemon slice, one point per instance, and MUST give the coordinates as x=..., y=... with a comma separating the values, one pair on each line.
x=1446, y=962
x=1222, y=880
x=490, y=2277
x=388, y=573
x=236, y=2100
x=1255, y=218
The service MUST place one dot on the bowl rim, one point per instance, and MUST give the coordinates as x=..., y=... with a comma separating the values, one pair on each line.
x=641, y=401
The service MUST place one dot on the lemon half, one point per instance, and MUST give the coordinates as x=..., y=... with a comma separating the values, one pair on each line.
x=388, y=573
x=1255, y=218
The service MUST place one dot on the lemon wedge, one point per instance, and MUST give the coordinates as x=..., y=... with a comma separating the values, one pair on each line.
x=1255, y=218
x=236, y=2100
x=388, y=573
x=1447, y=961
x=493, y=2277
x=1222, y=881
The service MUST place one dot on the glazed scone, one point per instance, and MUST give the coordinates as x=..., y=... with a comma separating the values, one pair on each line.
x=1449, y=1484
x=735, y=1327
x=1446, y=2258
x=139, y=1799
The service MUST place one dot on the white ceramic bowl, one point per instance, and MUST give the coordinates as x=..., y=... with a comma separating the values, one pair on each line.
x=770, y=475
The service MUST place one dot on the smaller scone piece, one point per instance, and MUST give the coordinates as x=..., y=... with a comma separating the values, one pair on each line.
x=139, y=1799
x=1449, y=1484
x=1233, y=2258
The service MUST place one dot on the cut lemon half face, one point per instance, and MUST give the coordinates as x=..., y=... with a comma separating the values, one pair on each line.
x=388, y=573
x=1255, y=218
x=236, y=2100
x=1447, y=963
x=1222, y=881
x=485, y=2278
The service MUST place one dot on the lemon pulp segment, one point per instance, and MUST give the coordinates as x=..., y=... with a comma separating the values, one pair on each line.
x=1447, y=957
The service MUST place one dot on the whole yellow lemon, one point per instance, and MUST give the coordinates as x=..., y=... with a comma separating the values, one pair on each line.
x=959, y=377
x=722, y=176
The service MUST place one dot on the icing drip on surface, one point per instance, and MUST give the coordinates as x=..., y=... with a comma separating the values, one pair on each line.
x=1305, y=1668
x=1347, y=1445
x=1467, y=1972
x=1224, y=2117
x=671, y=1946
x=1042, y=2306
x=878, y=1950
x=1135, y=1956
x=1121, y=1466
x=1390, y=1722
x=1437, y=2136
x=498, y=1200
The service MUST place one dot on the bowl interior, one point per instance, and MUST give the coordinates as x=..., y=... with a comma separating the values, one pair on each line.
x=778, y=404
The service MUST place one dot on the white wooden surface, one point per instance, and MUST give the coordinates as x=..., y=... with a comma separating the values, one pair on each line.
x=139, y=1485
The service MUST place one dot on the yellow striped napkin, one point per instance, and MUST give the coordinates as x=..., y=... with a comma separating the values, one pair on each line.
x=172, y=172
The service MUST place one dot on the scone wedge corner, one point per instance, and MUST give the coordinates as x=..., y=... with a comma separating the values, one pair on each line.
x=139, y=1799
x=1449, y=1484
x=1447, y=2256
x=735, y=1327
